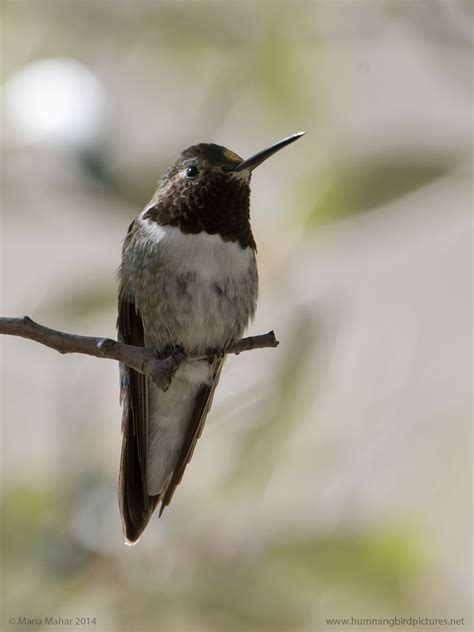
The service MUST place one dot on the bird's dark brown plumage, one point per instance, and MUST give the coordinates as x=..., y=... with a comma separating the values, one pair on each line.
x=220, y=207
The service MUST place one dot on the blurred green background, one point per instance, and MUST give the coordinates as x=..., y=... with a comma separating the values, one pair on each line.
x=334, y=475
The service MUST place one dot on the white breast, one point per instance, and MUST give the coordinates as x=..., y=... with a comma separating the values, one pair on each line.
x=207, y=255
x=209, y=286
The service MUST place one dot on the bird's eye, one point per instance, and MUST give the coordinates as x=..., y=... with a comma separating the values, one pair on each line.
x=191, y=171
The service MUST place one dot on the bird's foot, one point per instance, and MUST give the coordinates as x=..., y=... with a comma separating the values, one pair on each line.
x=170, y=358
x=172, y=351
x=215, y=354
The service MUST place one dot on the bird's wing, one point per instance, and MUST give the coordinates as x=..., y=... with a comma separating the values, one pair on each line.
x=136, y=506
x=193, y=432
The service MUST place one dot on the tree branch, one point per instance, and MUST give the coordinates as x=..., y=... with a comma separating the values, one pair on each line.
x=159, y=369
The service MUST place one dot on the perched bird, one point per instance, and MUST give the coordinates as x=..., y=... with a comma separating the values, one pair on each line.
x=188, y=282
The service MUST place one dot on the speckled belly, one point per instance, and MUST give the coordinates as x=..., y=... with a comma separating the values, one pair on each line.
x=195, y=291
x=198, y=314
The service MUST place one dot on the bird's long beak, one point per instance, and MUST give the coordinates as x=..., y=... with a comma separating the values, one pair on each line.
x=259, y=157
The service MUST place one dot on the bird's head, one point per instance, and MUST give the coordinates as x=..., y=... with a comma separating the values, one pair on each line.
x=208, y=189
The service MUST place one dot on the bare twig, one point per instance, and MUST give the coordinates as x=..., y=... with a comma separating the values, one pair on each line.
x=159, y=369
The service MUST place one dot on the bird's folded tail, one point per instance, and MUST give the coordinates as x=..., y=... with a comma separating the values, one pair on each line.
x=159, y=433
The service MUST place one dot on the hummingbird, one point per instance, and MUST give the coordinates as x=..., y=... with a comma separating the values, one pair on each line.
x=188, y=283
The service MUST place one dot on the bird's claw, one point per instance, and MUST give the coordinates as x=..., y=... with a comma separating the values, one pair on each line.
x=215, y=354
